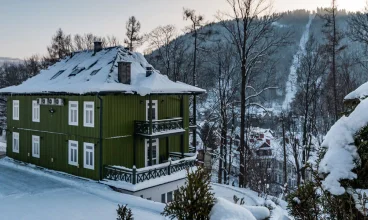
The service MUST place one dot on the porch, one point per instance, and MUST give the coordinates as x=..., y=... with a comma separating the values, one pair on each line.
x=134, y=176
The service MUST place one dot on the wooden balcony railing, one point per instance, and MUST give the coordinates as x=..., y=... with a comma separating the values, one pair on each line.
x=135, y=176
x=192, y=123
x=159, y=127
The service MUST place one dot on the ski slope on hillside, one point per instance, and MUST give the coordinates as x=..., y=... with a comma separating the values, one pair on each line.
x=291, y=87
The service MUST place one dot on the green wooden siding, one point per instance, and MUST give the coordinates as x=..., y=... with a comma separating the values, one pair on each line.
x=119, y=114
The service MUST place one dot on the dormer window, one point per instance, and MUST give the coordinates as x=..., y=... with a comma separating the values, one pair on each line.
x=76, y=71
x=57, y=74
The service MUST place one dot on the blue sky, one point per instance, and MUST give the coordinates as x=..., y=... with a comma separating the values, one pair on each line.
x=26, y=26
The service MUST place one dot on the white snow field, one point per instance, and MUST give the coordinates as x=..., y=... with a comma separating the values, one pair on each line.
x=253, y=204
x=33, y=194
x=291, y=87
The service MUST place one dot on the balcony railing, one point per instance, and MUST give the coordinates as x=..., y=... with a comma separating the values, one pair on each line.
x=192, y=123
x=135, y=176
x=159, y=127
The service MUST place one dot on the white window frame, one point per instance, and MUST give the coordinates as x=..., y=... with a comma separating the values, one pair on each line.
x=35, y=111
x=72, y=112
x=15, y=147
x=89, y=121
x=156, y=144
x=36, y=144
x=15, y=109
x=86, y=154
x=155, y=106
x=71, y=160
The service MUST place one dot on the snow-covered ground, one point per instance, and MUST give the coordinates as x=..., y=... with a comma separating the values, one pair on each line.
x=253, y=202
x=27, y=192
x=291, y=87
x=30, y=193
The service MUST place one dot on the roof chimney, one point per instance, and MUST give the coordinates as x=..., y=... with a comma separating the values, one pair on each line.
x=97, y=46
x=149, y=71
x=124, y=72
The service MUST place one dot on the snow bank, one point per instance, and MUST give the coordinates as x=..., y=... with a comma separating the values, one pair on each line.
x=225, y=210
x=360, y=93
x=339, y=160
x=253, y=203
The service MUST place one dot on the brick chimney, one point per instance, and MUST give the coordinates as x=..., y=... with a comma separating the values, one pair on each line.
x=124, y=72
x=97, y=46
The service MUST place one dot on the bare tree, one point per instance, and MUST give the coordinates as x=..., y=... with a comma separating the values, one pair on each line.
x=226, y=68
x=133, y=39
x=196, y=22
x=61, y=46
x=252, y=32
x=311, y=73
x=160, y=40
x=333, y=47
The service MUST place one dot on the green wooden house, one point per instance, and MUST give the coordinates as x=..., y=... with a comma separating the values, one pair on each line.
x=97, y=109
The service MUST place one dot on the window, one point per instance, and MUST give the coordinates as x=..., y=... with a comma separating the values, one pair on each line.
x=169, y=197
x=15, y=142
x=73, y=113
x=89, y=156
x=35, y=146
x=35, y=111
x=163, y=198
x=73, y=153
x=15, y=109
x=153, y=111
x=155, y=152
x=57, y=74
x=89, y=114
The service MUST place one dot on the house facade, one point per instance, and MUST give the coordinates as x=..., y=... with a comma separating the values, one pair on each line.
x=96, y=110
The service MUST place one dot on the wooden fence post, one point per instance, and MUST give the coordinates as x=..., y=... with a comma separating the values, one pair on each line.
x=134, y=175
x=169, y=167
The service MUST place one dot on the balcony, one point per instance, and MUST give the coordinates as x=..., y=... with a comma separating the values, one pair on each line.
x=160, y=128
x=135, y=176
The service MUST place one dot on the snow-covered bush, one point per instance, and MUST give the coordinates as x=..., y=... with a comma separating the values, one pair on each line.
x=194, y=200
x=124, y=213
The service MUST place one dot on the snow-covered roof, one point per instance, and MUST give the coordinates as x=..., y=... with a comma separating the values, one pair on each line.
x=89, y=72
x=360, y=93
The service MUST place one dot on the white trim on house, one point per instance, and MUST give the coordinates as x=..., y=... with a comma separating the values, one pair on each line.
x=155, y=144
x=89, y=155
x=15, y=142
x=15, y=109
x=35, y=146
x=89, y=114
x=154, y=108
x=73, y=153
x=35, y=111
x=73, y=113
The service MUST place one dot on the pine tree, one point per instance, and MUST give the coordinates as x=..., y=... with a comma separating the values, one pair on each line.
x=61, y=46
x=194, y=200
x=133, y=27
x=124, y=213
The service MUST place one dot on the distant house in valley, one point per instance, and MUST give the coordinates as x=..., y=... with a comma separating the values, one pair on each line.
x=104, y=114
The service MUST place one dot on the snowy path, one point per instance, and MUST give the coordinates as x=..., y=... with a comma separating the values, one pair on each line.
x=49, y=195
x=291, y=87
